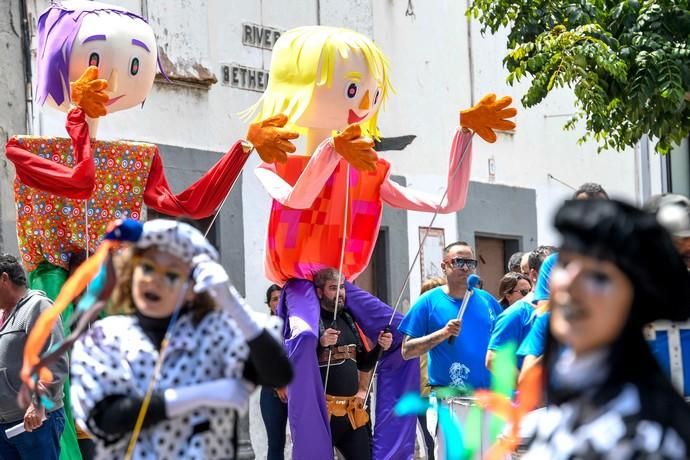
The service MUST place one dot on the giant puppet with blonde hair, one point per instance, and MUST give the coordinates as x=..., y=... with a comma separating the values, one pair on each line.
x=94, y=59
x=330, y=84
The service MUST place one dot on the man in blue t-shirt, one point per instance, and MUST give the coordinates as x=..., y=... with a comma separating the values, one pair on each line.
x=432, y=320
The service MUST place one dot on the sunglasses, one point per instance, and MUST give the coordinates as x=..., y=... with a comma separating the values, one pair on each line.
x=149, y=267
x=459, y=262
x=524, y=292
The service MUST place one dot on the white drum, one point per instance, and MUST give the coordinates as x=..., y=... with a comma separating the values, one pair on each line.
x=460, y=406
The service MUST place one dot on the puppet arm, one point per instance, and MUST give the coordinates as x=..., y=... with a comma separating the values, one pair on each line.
x=308, y=185
x=43, y=174
x=204, y=196
x=458, y=181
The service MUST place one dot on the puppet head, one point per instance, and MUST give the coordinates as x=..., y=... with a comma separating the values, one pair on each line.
x=73, y=35
x=325, y=78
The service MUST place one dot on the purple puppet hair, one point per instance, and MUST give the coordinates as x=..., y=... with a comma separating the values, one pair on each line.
x=57, y=28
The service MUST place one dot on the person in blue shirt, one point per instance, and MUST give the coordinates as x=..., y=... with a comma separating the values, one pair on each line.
x=432, y=320
x=512, y=326
x=532, y=347
x=516, y=322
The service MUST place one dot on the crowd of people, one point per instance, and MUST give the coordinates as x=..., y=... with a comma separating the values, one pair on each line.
x=578, y=310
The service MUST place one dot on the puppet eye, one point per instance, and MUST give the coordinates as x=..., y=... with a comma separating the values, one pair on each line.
x=134, y=66
x=377, y=95
x=94, y=59
x=351, y=90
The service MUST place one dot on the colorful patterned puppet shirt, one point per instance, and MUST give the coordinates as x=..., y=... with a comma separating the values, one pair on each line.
x=303, y=241
x=51, y=227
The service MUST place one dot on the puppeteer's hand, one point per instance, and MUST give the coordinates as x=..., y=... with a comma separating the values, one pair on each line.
x=88, y=92
x=487, y=115
x=329, y=337
x=385, y=340
x=271, y=140
x=282, y=393
x=357, y=150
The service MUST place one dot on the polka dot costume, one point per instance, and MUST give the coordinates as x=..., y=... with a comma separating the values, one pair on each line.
x=50, y=227
x=618, y=431
x=116, y=358
x=178, y=238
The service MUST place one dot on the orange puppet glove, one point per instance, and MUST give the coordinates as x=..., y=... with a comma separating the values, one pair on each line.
x=88, y=92
x=271, y=140
x=488, y=115
x=357, y=150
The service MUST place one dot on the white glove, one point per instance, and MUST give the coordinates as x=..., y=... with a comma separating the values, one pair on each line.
x=226, y=393
x=211, y=277
x=208, y=274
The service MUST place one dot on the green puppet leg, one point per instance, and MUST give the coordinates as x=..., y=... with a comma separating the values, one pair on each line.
x=49, y=279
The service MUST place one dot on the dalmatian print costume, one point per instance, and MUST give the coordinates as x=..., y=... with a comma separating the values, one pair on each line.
x=115, y=358
x=616, y=432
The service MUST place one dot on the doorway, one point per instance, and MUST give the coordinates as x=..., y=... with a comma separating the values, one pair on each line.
x=492, y=257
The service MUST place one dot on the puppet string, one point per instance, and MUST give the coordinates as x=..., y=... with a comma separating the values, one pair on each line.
x=340, y=271
x=156, y=371
x=416, y=257
x=86, y=225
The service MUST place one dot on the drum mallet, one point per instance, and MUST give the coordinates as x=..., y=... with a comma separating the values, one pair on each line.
x=472, y=282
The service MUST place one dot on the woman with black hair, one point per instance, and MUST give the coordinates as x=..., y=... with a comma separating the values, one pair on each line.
x=606, y=395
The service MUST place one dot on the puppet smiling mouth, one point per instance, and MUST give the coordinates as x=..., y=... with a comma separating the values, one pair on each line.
x=114, y=100
x=352, y=117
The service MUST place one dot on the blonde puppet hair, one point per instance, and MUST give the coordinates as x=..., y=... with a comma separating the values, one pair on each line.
x=305, y=57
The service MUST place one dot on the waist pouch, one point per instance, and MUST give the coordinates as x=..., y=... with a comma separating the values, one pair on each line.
x=349, y=406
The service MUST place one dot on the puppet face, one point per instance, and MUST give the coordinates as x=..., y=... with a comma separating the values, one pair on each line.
x=353, y=97
x=591, y=301
x=157, y=282
x=124, y=50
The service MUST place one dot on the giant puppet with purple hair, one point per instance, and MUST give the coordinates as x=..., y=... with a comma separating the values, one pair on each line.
x=94, y=59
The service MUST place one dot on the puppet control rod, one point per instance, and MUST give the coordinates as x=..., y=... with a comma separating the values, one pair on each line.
x=414, y=262
x=340, y=274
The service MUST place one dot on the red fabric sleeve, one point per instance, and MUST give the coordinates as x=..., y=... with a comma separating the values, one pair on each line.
x=76, y=182
x=204, y=196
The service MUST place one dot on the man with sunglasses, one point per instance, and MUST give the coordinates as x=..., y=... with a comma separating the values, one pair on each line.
x=432, y=320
